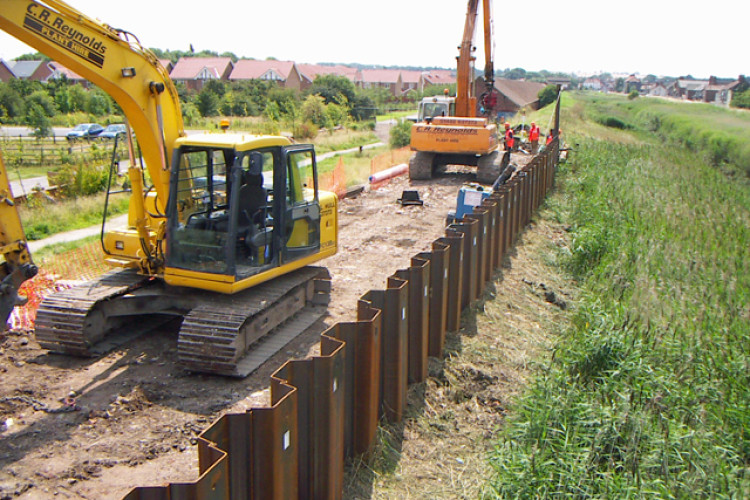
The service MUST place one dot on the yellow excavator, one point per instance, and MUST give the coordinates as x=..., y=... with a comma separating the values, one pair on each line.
x=223, y=238
x=448, y=131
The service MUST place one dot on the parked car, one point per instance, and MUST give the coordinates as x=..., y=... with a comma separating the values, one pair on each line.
x=86, y=131
x=113, y=130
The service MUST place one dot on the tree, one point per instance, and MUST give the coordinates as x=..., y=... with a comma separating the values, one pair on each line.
x=400, y=135
x=619, y=84
x=313, y=109
x=99, y=103
x=11, y=102
x=515, y=74
x=334, y=89
x=547, y=95
x=207, y=103
x=37, y=119
x=43, y=100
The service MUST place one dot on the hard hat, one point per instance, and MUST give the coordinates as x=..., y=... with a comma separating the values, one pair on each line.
x=533, y=123
x=507, y=125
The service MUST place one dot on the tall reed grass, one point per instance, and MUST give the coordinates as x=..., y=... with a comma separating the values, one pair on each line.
x=648, y=394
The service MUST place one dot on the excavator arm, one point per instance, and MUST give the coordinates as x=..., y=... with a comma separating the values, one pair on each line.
x=115, y=61
x=17, y=266
x=466, y=101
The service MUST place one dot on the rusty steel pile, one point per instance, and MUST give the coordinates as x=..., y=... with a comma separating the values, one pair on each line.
x=325, y=409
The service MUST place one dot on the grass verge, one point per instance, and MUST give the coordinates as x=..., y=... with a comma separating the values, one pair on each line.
x=648, y=395
x=42, y=218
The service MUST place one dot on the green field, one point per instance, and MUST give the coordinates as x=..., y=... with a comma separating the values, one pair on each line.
x=647, y=394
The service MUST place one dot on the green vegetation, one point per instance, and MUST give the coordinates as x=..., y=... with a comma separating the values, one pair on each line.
x=648, y=391
x=42, y=217
x=723, y=135
x=547, y=95
x=401, y=134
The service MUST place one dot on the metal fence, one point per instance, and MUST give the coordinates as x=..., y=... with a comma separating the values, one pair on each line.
x=325, y=409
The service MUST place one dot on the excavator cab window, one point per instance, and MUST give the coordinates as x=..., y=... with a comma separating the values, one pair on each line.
x=302, y=208
x=199, y=210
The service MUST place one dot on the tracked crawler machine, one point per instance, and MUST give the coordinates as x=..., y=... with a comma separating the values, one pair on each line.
x=451, y=132
x=224, y=236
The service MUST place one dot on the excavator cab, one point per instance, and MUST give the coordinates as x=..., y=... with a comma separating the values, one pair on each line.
x=237, y=212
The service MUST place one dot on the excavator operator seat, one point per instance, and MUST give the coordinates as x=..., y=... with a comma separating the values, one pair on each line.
x=253, y=203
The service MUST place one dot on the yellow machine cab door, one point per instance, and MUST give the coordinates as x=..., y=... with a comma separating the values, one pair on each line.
x=301, y=210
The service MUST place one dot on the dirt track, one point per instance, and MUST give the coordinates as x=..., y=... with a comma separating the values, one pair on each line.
x=134, y=414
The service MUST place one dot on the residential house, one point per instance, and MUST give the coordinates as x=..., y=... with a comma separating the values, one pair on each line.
x=658, y=90
x=39, y=71
x=720, y=91
x=194, y=72
x=389, y=79
x=632, y=83
x=167, y=63
x=59, y=71
x=6, y=70
x=438, y=77
x=285, y=73
x=563, y=82
x=514, y=95
x=311, y=71
x=593, y=83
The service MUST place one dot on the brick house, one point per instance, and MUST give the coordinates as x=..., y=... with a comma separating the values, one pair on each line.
x=285, y=73
x=6, y=71
x=194, y=72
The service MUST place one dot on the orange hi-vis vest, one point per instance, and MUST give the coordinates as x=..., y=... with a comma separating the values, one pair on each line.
x=534, y=133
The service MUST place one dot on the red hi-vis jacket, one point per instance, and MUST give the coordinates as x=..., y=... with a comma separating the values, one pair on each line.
x=509, y=138
x=534, y=133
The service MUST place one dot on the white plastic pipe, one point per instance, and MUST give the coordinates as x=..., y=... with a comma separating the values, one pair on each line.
x=389, y=173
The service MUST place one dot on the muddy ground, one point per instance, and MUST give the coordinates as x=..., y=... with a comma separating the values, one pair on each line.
x=96, y=428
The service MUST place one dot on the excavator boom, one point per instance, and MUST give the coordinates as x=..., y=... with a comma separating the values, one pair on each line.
x=224, y=238
x=463, y=138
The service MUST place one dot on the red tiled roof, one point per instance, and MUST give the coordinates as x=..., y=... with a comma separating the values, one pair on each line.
x=312, y=70
x=250, y=69
x=188, y=68
x=380, y=75
x=60, y=70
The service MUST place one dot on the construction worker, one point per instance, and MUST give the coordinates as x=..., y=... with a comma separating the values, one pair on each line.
x=534, y=137
x=508, y=137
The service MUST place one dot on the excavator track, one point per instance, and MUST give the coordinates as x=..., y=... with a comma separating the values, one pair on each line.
x=234, y=334
x=64, y=321
x=223, y=334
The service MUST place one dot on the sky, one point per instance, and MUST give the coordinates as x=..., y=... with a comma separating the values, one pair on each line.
x=660, y=37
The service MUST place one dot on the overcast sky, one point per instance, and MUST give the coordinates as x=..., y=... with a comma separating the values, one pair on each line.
x=661, y=37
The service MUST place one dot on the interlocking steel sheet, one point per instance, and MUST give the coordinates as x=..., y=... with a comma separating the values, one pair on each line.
x=483, y=239
x=362, y=378
x=418, y=314
x=320, y=391
x=326, y=408
x=470, y=229
x=455, y=239
x=493, y=213
x=439, y=259
x=394, y=354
